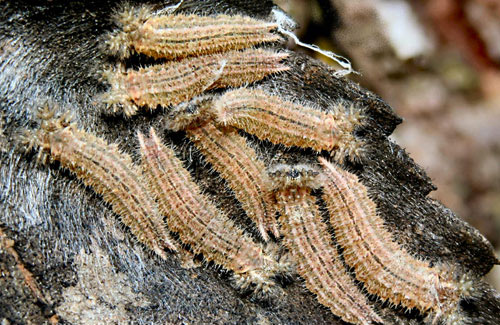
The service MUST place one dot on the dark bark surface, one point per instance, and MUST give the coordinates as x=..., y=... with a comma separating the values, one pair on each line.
x=88, y=268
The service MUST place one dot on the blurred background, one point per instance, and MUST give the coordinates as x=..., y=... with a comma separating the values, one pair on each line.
x=437, y=63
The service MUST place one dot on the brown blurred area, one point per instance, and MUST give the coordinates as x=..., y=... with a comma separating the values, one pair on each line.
x=437, y=63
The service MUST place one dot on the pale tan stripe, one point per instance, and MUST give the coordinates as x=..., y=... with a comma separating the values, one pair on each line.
x=386, y=268
x=174, y=82
x=176, y=36
x=246, y=175
x=111, y=174
x=282, y=122
x=306, y=236
x=191, y=214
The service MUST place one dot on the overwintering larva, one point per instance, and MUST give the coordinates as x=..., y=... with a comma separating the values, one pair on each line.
x=197, y=220
x=178, y=36
x=386, y=269
x=232, y=157
x=175, y=82
x=307, y=238
x=269, y=117
x=110, y=173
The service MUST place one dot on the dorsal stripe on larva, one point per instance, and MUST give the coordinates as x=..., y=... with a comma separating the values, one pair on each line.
x=237, y=162
x=389, y=250
x=308, y=239
x=371, y=252
x=271, y=118
x=191, y=214
x=97, y=162
x=177, y=36
x=111, y=174
x=184, y=199
x=386, y=268
x=127, y=184
x=175, y=82
x=410, y=275
x=409, y=281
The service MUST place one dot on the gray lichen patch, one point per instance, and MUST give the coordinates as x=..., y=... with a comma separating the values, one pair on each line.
x=102, y=294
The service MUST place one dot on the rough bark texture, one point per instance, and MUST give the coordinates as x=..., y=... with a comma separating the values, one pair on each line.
x=88, y=268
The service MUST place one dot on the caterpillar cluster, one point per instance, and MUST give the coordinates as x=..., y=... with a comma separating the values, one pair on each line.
x=159, y=196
